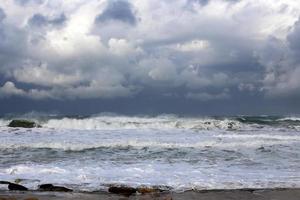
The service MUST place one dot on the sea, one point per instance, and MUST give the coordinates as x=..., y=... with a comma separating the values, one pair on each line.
x=178, y=153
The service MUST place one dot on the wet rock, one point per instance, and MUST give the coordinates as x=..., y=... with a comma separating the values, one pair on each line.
x=52, y=188
x=46, y=187
x=18, y=180
x=23, y=124
x=122, y=190
x=230, y=125
x=17, y=187
x=263, y=149
x=4, y=182
x=8, y=198
x=14, y=186
x=248, y=190
x=145, y=190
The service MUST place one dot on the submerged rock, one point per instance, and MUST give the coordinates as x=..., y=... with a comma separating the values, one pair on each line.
x=52, y=188
x=23, y=124
x=122, y=190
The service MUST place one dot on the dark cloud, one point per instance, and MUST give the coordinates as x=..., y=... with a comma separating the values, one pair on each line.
x=13, y=47
x=281, y=61
x=294, y=37
x=202, y=2
x=118, y=10
x=2, y=15
x=205, y=2
x=26, y=2
x=39, y=20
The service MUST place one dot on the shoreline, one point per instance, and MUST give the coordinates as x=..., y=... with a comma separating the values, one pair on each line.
x=246, y=194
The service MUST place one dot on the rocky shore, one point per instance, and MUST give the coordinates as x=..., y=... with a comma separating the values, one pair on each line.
x=244, y=194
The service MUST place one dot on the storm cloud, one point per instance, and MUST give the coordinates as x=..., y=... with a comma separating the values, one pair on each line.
x=39, y=20
x=2, y=15
x=119, y=10
x=208, y=52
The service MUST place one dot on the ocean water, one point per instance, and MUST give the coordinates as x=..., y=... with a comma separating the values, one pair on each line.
x=179, y=153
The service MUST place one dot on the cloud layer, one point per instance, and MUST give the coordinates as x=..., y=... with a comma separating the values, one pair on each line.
x=191, y=49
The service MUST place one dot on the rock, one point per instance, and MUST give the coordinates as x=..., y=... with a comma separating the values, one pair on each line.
x=31, y=198
x=122, y=190
x=61, y=189
x=13, y=186
x=46, y=187
x=264, y=150
x=4, y=182
x=23, y=124
x=8, y=198
x=18, y=180
x=261, y=148
x=52, y=188
x=145, y=190
x=230, y=125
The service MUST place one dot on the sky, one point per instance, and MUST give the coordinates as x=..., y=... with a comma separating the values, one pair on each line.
x=205, y=57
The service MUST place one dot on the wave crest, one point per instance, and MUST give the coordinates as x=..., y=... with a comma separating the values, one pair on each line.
x=138, y=122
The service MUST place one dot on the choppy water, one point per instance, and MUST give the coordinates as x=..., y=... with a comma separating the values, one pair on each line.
x=88, y=153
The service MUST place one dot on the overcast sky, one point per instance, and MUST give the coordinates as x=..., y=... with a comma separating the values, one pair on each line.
x=150, y=56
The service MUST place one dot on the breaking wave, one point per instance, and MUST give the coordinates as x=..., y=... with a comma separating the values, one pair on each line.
x=144, y=122
x=113, y=121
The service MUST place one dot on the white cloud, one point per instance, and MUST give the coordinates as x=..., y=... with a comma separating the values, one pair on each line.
x=9, y=89
x=161, y=70
x=122, y=47
x=41, y=75
x=194, y=45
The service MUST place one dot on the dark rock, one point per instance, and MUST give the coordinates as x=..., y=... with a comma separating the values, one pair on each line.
x=251, y=190
x=8, y=198
x=46, y=186
x=23, y=124
x=4, y=182
x=230, y=125
x=61, y=189
x=145, y=190
x=122, y=190
x=13, y=186
x=50, y=187
x=263, y=149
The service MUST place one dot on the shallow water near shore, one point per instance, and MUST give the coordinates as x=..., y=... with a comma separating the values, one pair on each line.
x=171, y=152
x=267, y=194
